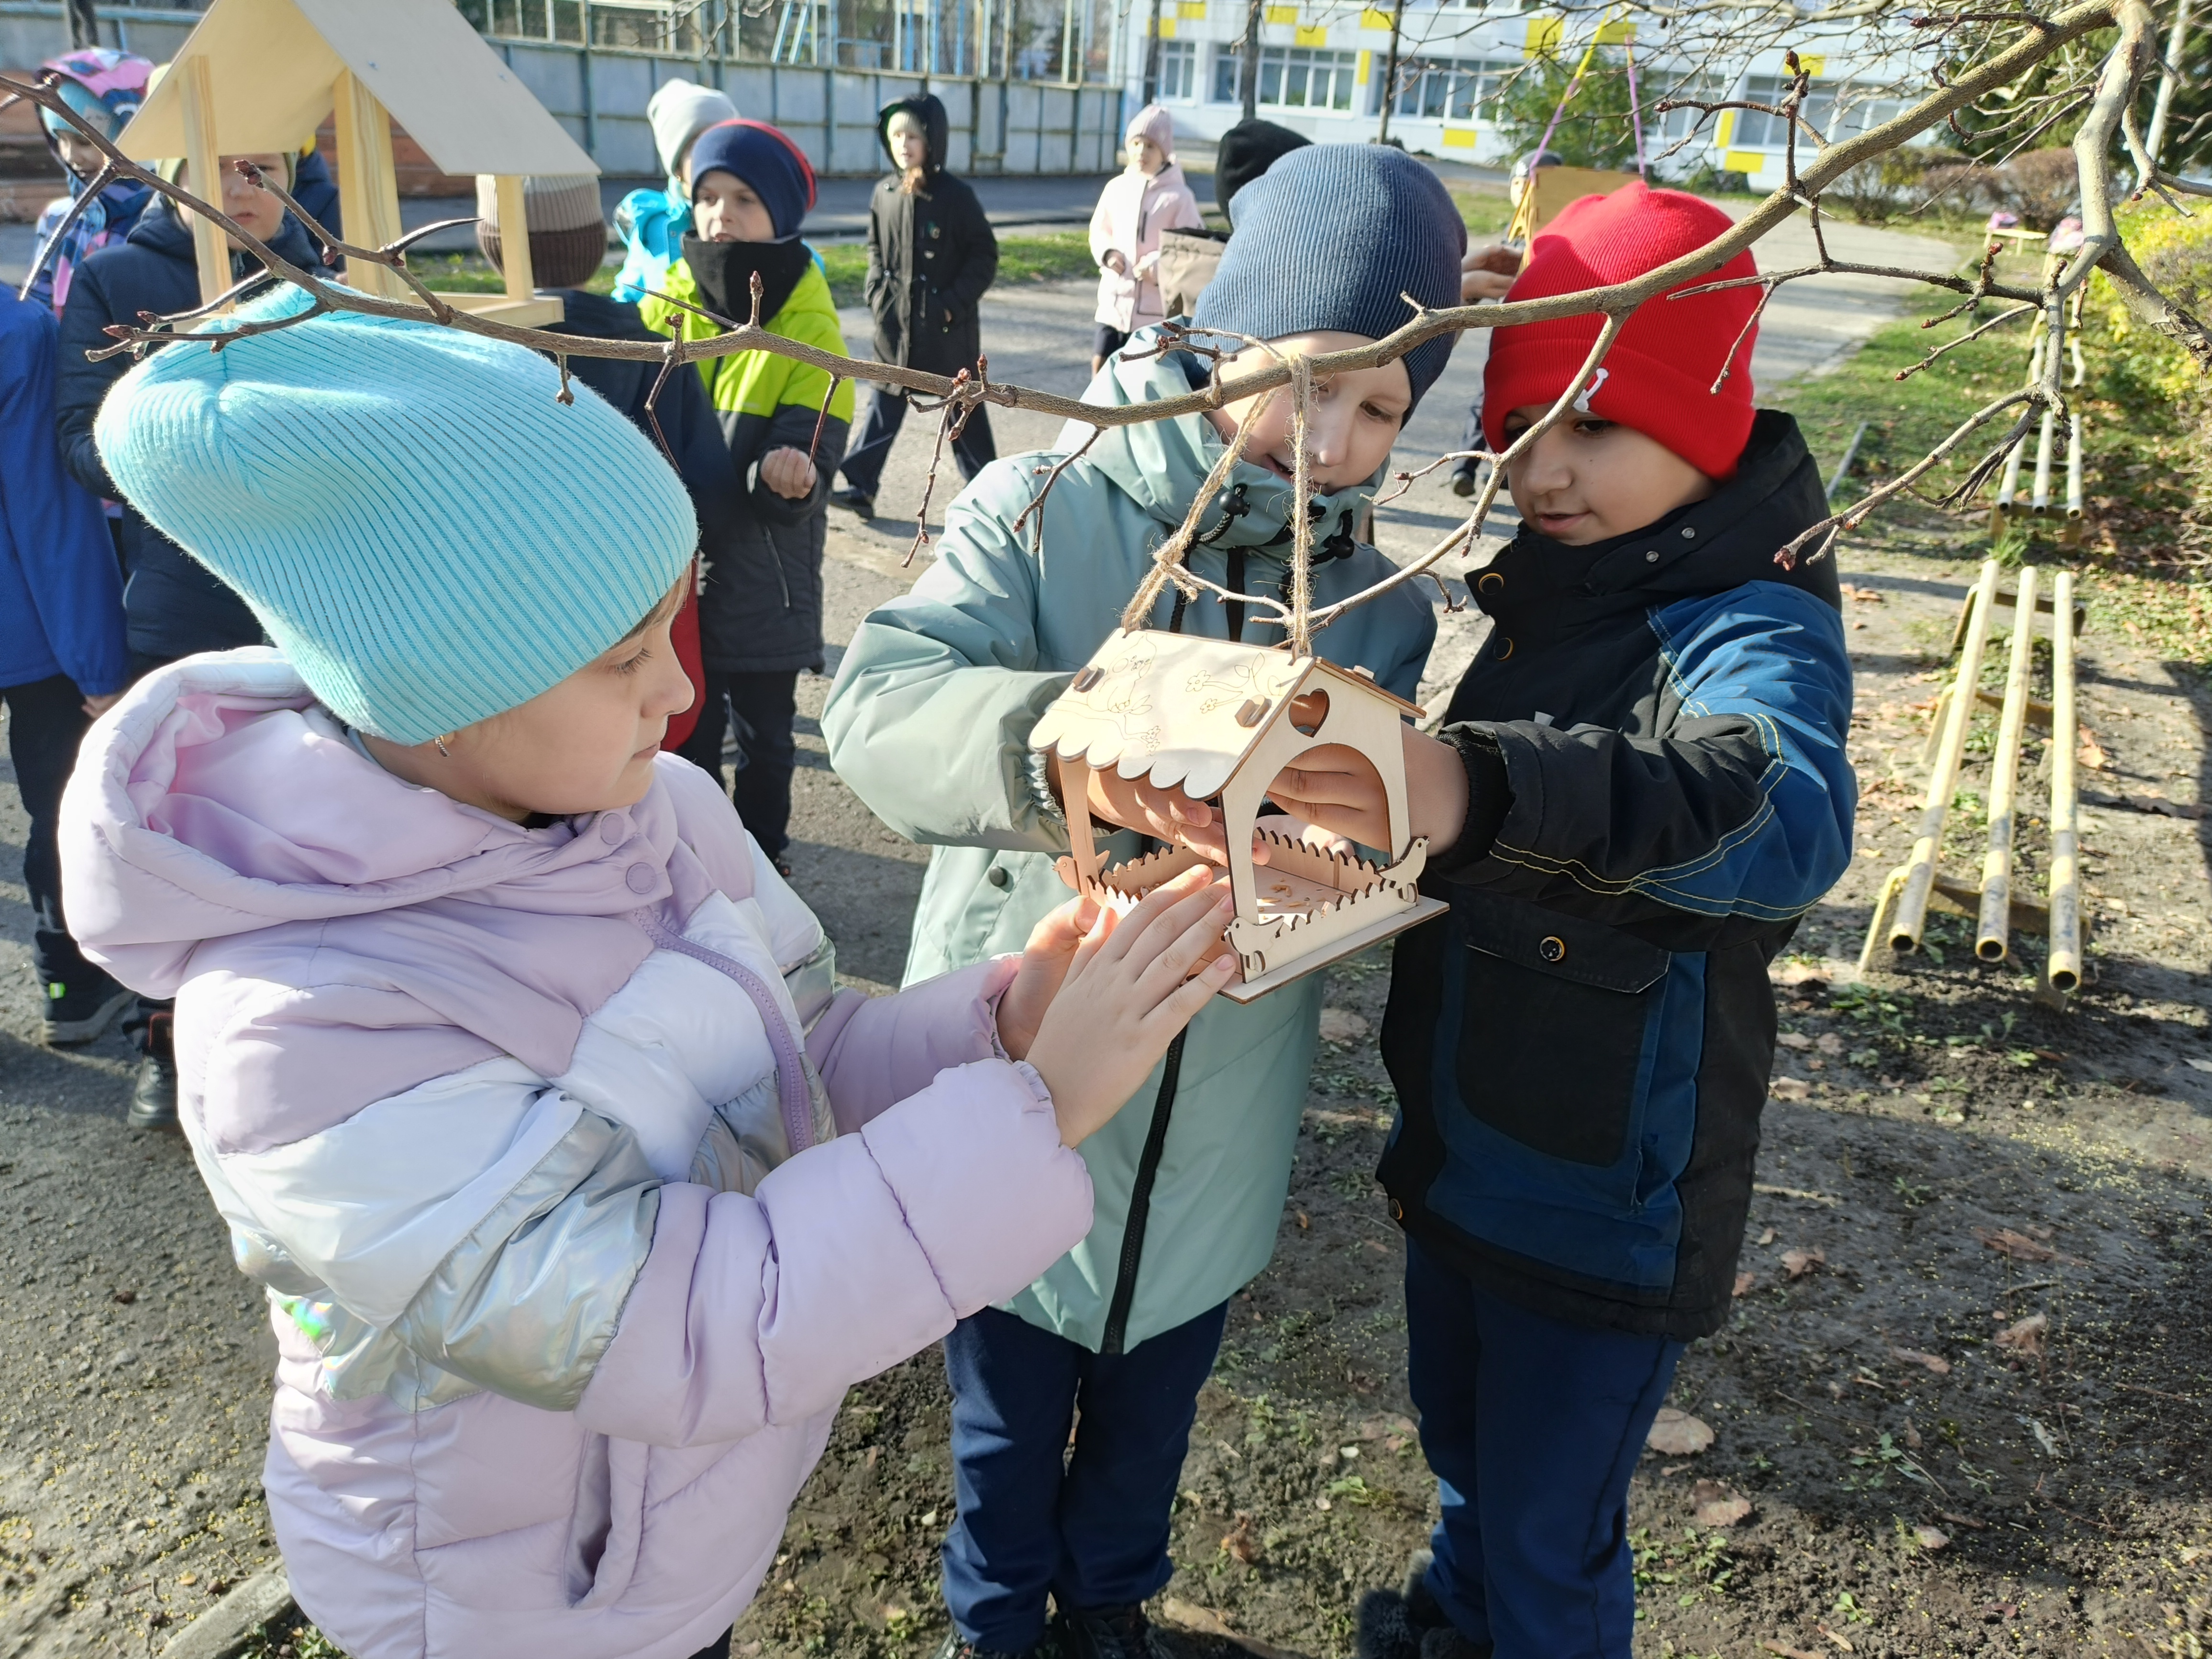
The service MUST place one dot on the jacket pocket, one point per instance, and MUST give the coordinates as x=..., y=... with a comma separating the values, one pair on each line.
x=1554, y=1026
x=609, y=1519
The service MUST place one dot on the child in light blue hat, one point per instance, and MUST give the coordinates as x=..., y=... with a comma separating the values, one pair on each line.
x=579, y=1193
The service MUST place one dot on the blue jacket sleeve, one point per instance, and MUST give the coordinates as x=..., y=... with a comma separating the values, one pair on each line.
x=57, y=531
x=1734, y=813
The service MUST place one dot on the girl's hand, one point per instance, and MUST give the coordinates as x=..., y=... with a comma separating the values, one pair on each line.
x=1337, y=788
x=1117, y=261
x=788, y=472
x=1045, y=962
x=1128, y=991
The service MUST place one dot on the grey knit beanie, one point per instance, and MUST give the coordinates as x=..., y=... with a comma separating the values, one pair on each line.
x=1331, y=238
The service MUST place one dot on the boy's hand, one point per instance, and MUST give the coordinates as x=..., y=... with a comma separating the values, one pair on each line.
x=1487, y=272
x=788, y=472
x=1166, y=814
x=1337, y=788
x=1129, y=989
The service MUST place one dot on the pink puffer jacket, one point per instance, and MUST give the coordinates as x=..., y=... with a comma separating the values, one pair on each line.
x=517, y=1128
x=1132, y=212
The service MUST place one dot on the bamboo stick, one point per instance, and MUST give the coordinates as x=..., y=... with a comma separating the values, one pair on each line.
x=2009, y=485
x=1912, y=913
x=1992, y=940
x=2063, y=965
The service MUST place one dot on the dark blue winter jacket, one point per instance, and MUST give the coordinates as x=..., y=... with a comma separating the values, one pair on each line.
x=61, y=596
x=1658, y=789
x=173, y=606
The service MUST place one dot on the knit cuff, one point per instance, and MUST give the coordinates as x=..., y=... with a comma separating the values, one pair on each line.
x=1036, y=769
x=1489, y=798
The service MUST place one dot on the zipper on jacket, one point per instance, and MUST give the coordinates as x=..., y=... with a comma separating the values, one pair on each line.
x=1141, y=1201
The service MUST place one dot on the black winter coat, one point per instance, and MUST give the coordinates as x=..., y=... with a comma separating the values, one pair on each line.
x=1658, y=789
x=173, y=604
x=931, y=256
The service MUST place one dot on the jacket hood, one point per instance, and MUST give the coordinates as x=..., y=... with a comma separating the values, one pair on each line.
x=1161, y=463
x=162, y=230
x=935, y=122
x=218, y=800
x=1708, y=547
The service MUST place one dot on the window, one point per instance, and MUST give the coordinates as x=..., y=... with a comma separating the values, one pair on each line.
x=1303, y=77
x=1677, y=126
x=1444, y=89
x=1178, y=69
x=1228, y=68
x=1834, y=110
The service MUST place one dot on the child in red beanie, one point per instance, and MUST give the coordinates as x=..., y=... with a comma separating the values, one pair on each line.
x=1639, y=787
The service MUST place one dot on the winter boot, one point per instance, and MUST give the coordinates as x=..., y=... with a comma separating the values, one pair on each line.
x=1407, y=1623
x=154, y=1101
x=953, y=1647
x=79, y=1008
x=855, y=500
x=1113, y=1633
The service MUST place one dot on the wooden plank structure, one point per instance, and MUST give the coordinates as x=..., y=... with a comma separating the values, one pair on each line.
x=1917, y=885
x=1218, y=720
x=258, y=76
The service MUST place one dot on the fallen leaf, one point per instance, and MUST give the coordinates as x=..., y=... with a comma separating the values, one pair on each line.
x=126, y=1297
x=1962, y=1520
x=1912, y=1442
x=1305, y=1222
x=1718, y=1506
x=1931, y=1537
x=1798, y=1263
x=1787, y=1652
x=1766, y=1236
x=1341, y=1025
x=1677, y=1434
x=2090, y=754
x=2052, y=1054
x=1790, y=1088
x=1745, y=1284
x=1934, y=1362
x=1241, y=1542
x=1793, y=1040
x=1839, y=1641
x=1829, y=1044
x=2201, y=1064
x=2026, y=1336
x=2019, y=1246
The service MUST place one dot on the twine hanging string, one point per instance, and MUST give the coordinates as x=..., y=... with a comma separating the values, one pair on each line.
x=1300, y=624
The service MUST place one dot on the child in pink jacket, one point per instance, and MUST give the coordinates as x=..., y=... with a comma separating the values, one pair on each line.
x=578, y=1192
x=1148, y=197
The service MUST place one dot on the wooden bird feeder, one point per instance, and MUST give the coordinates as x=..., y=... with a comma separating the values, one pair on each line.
x=1218, y=721
x=258, y=76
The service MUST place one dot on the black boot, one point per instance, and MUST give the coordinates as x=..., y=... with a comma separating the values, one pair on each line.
x=855, y=500
x=154, y=1101
x=953, y=1647
x=1113, y=1633
x=1407, y=1623
x=81, y=1006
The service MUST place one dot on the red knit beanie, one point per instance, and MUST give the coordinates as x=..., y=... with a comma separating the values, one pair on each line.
x=1658, y=376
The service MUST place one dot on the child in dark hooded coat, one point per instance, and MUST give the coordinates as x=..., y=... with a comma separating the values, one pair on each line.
x=931, y=256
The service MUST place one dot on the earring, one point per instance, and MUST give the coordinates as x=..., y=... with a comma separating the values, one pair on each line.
x=442, y=749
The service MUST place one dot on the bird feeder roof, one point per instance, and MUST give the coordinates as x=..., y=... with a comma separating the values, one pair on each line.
x=272, y=65
x=1182, y=711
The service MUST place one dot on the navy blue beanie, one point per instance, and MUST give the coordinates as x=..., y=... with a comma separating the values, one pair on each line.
x=765, y=158
x=1329, y=239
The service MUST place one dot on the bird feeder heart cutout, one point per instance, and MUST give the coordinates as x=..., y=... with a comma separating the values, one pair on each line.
x=260, y=75
x=1219, y=720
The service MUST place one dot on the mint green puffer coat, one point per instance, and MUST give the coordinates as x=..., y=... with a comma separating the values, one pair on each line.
x=929, y=722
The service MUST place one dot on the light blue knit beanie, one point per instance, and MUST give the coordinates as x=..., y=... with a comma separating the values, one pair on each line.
x=428, y=534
